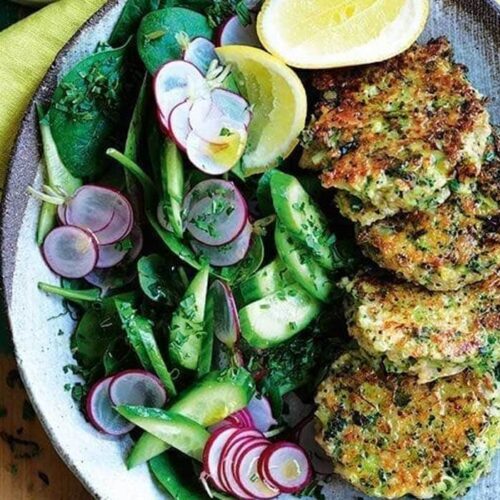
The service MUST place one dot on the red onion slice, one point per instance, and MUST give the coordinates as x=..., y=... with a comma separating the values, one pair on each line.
x=228, y=254
x=70, y=251
x=137, y=388
x=101, y=413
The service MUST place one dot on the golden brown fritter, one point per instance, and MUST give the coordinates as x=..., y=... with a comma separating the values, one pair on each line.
x=428, y=334
x=389, y=436
x=455, y=244
x=390, y=135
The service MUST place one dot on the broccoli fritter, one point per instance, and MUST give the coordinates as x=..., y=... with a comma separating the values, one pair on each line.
x=390, y=135
x=454, y=245
x=389, y=436
x=428, y=334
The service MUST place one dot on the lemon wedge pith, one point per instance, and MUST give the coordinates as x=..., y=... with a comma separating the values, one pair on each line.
x=335, y=33
x=279, y=105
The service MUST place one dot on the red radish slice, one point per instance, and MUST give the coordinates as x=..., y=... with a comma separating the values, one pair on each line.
x=306, y=440
x=111, y=279
x=101, y=413
x=212, y=453
x=110, y=255
x=163, y=123
x=174, y=83
x=136, y=238
x=210, y=122
x=247, y=473
x=218, y=218
x=61, y=214
x=138, y=388
x=225, y=321
x=216, y=158
x=232, y=32
x=261, y=412
x=252, y=4
x=200, y=52
x=285, y=466
x=234, y=107
x=178, y=123
x=240, y=419
x=228, y=254
x=104, y=211
x=70, y=251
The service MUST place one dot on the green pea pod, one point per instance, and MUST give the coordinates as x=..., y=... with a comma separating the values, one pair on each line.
x=172, y=174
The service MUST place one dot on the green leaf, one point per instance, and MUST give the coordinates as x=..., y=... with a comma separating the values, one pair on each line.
x=85, y=111
x=156, y=40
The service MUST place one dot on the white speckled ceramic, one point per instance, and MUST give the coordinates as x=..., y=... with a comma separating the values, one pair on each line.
x=474, y=29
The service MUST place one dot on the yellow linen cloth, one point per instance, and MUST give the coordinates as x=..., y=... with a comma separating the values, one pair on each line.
x=27, y=49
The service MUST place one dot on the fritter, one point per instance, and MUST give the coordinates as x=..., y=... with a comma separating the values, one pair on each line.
x=454, y=245
x=428, y=334
x=390, y=437
x=390, y=135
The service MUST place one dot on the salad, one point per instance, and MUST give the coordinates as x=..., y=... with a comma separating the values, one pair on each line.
x=199, y=260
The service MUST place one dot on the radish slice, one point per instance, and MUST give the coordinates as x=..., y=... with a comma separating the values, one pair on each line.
x=306, y=440
x=61, y=214
x=200, y=52
x=247, y=474
x=252, y=4
x=101, y=413
x=210, y=122
x=235, y=107
x=212, y=453
x=261, y=412
x=219, y=217
x=111, y=278
x=110, y=255
x=136, y=239
x=240, y=419
x=70, y=251
x=138, y=388
x=225, y=322
x=285, y=466
x=163, y=123
x=174, y=83
x=228, y=254
x=178, y=123
x=104, y=211
x=232, y=32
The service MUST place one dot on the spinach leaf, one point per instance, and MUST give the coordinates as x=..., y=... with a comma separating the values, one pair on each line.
x=156, y=40
x=129, y=20
x=161, y=281
x=85, y=111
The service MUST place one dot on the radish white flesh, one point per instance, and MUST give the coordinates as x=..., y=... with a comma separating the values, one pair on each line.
x=101, y=413
x=233, y=32
x=110, y=255
x=286, y=466
x=138, y=388
x=174, y=83
x=200, y=52
x=212, y=453
x=216, y=158
x=247, y=474
x=70, y=251
x=225, y=320
x=210, y=123
x=178, y=123
x=306, y=439
x=228, y=254
x=261, y=412
x=234, y=107
x=104, y=211
x=218, y=216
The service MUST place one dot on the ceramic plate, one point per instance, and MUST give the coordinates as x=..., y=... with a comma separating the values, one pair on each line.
x=473, y=26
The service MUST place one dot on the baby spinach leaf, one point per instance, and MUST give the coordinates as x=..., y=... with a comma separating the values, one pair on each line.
x=129, y=20
x=156, y=40
x=85, y=111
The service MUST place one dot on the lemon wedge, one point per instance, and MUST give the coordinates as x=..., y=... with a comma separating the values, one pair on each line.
x=334, y=33
x=278, y=101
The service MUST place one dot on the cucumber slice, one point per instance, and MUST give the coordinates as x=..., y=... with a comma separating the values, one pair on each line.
x=306, y=271
x=187, y=328
x=140, y=335
x=172, y=476
x=278, y=317
x=302, y=217
x=176, y=430
x=268, y=280
x=172, y=173
x=207, y=402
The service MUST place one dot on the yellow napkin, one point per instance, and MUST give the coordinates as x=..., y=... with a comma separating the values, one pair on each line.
x=27, y=49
